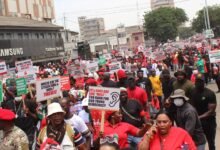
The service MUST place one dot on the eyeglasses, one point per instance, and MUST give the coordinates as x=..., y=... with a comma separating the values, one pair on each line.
x=109, y=139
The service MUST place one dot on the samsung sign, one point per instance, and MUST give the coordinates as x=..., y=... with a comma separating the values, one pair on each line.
x=11, y=52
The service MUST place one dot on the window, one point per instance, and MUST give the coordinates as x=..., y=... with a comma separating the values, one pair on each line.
x=59, y=35
x=1, y=36
x=136, y=38
x=36, y=36
x=41, y=36
x=20, y=36
x=54, y=35
x=8, y=36
x=49, y=35
x=26, y=36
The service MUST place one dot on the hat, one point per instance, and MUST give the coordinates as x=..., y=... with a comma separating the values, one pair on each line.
x=54, y=108
x=180, y=72
x=18, y=99
x=122, y=89
x=179, y=93
x=85, y=102
x=7, y=115
x=121, y=74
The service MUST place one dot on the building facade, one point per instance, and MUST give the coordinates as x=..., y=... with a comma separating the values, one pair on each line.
x=90, y=28
x=161, y=3
x=41, y=10
x=22, y=38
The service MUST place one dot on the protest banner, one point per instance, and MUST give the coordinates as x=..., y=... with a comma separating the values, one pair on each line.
x=23, y=66
x=114, y=67
x=92, y=67
x=48, y=88
x=29, y=75
x=103, y=98
x=1, y=92
x=107, y=56
x=12, y=72
x=3, y=68
x=75, y=71
x=119, y=58
x=65, y=83
x=21, y=86
x=159, y=55
x=214, y=56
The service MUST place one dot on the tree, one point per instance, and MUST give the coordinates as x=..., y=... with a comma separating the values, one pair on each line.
x=198, y=23
x=185, y=32
x=162, y=24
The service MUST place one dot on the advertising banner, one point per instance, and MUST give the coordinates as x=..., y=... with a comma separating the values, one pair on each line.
x=48, y=88
x=3, y=68
x=104, y=98
x=23, y=66
x=65, y=83
x=114, y=67
x=214, y=56
x=21, y=86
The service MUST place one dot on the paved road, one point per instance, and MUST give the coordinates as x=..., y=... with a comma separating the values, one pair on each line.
x=213, y=87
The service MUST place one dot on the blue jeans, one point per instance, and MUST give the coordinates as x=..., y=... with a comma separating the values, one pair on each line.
x=133, y=141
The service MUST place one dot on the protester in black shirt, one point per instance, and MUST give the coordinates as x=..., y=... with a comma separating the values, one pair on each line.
x=122, y=77
x=107, y=82
x=204, y=100
x=144, y=83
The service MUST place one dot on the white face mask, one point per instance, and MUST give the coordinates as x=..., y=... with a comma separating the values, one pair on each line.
x=178, y=102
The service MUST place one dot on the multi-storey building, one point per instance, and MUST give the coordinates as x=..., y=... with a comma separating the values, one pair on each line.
x=41, y=10
x=91, y=28
x=161, y=3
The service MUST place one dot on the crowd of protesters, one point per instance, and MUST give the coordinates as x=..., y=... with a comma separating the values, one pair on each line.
x=158, y=110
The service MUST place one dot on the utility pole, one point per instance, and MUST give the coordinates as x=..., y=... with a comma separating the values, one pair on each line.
x=204, y=11
x=207, y=15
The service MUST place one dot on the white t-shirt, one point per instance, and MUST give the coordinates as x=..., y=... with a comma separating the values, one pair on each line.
x=78, y=123
x=84, y=115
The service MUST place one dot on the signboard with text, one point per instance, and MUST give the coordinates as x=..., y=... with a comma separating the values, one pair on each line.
x=23, y=66
x=21, y=86
x=48, y=88
x=75, y=71
x=104, y=98
x=114, y=67
x=92, y=67
x=65, y=83
x=214, y=56
x=3, y=68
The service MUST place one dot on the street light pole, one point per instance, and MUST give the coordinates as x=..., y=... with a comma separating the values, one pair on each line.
x=207, y=15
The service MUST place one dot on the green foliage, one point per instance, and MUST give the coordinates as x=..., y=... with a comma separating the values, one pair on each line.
x=185, y=32
x=162, y=24
x=198, y=23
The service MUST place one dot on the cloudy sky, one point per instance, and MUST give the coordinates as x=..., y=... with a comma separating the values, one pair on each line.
x=115, y=12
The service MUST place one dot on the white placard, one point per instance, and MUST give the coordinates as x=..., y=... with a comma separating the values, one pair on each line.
x=214, y=56
x=48, y=88
x=3, y=68
x=114, y=67
x=92, y=67
x=23, y=66
x=104, y=98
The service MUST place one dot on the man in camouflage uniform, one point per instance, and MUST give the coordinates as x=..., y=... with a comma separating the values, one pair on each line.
x=13, y=137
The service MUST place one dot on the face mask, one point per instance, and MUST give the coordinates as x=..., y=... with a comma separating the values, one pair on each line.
x=178, y=102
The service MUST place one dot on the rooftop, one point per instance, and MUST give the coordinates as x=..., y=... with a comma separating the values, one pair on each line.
x=24, y=23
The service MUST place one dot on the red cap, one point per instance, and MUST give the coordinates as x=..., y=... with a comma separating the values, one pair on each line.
x=121, y=74
x=108, y=114
x=6, y=114
x=91, y=82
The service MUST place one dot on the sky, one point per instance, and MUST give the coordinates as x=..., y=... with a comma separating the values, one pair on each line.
x=115, y=12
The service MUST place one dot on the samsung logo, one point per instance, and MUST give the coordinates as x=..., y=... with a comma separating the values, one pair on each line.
x=11, y=51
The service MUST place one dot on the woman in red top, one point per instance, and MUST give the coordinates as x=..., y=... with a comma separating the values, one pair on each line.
x=163, y=136
x=114, y=126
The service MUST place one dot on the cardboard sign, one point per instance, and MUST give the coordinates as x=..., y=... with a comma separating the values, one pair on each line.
x=107, y=56
x=75, y=71
x=12, y=72
x=104, y=98
x=214, y=56
x=114, y=67
x=23, y=66
x=21, y=86
x=65, y=83
x=1, y=92
x=3, y=68
x=48, y=88
x=119, y=58
x=92, y=67
x=30, y=76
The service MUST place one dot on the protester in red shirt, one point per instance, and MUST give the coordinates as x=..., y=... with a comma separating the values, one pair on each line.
x=135, y=92
x=113, y=126
x=164, y=136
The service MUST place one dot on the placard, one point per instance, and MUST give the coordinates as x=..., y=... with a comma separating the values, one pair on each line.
x=214, y=56
x=114, y=67
x=1, y=92
x=65, y=83
x=23, y=66
x=92, y=67
x=21, y=86
x=3, y=68
x=48, y=88
x=159, y=55
x=75, y=71
x=104, y=98
x=30, y=76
